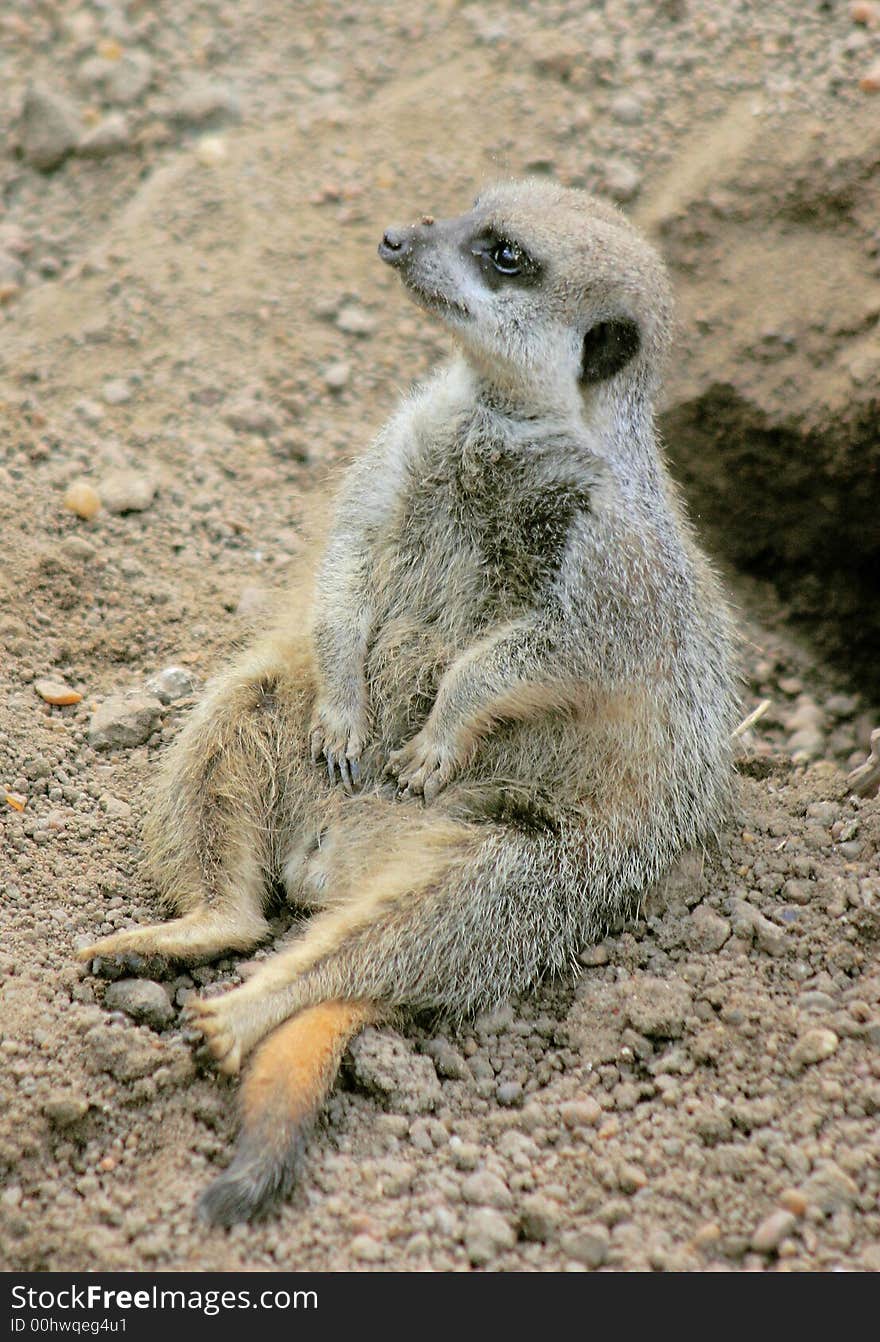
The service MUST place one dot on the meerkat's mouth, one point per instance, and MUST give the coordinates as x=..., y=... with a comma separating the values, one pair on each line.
x=436, y=301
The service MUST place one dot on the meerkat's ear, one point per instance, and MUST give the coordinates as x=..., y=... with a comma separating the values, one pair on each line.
x=607, y=347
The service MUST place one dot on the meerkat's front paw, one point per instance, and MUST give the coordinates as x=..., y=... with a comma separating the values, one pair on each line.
x=423, y=766
x=340, y=741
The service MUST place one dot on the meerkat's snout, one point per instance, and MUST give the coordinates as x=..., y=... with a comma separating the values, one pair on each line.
x=396, y=245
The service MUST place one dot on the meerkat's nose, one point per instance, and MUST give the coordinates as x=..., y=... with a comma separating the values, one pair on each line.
x=395, y=245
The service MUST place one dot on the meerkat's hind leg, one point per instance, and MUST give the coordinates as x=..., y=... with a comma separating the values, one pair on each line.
x=284, y=1089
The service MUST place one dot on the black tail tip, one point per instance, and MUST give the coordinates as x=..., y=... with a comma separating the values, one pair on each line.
x=250, y=1187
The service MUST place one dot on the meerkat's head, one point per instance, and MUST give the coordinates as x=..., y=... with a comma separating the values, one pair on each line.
x=545, y=287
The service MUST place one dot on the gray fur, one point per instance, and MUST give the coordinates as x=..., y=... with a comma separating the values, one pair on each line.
x=511, y=614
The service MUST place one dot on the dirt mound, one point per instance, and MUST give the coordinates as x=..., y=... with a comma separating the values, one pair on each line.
x=772, y=414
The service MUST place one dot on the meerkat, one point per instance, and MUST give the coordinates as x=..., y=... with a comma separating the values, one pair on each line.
x=496, y=712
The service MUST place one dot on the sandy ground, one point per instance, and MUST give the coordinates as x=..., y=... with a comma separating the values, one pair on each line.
x=195, y=326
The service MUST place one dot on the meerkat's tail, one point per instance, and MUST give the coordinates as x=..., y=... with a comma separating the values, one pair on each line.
x=281, y=1095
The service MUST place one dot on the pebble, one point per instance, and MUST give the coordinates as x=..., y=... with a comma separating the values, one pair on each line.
x=142, y=999
x=109, y=136
x=337, y=376
x=211, y=150
x=813, y=1046
x=595, y=956
x=864, y=12
x=127, y=492
x=539, y=1218
x=49, y=129
x=384, y=1064
x=588, y=1245
x=627, y=110
x=124, y=1053
x=11, y=277
x=622, y=180
x=249, y=415
x=204, y=103
x=83, y=500
x=706, y=931
x=793, y=1200
x=584, y=1113
x=117, y=391
x=509, y=1094
x=353, y=320
x=485, y=1189
x=121, y=82
x=123, y=721
x=65, y=1107
x=78, y=548
x=658, y=1007
x=172, y=683
x=486, y=1234
x=772, y=1230
x=829, y=1189
x=870, y=80
x=367, y=1249
x=447, y=1060
x=56, y=692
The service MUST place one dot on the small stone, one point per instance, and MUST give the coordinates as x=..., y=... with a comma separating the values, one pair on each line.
x=384, y=1064
x=539, y=1218
x=78, y=548
x=509, y=1093
x=337, y=376
x=124, y=721
x=870, y=80
x=56, y=692
x=142, y=999
x=813, y=1046
x=109, y=136
x=626, y=109
x=706, y=931
x=793, y=1200
x=121, y=81
x=65, y=1107
x=485, y=1189
x=830, y=1190
x=588, y=1245
x=447, y=1060
x=211, y=150
x=49, y=128
x=126, y=1054
x=117, y=391
x=622, y=180
x=83, y=500
x=128, y=492
x=864, y=12
x=584, y=1113
x=204, y=103
x=249, y=415
x=772, y=1231
x=366, y=1249
x=657, y=1007
x=595, y=956
x=353, y=320
x=172, y=683
x=486, y=1234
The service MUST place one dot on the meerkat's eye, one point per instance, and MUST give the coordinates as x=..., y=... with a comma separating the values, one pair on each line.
x=507, y=258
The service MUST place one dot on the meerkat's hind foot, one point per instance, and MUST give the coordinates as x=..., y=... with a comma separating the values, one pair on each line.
x=201, y=935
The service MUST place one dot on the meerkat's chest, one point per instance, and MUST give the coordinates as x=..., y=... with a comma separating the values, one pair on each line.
x=498, y=513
